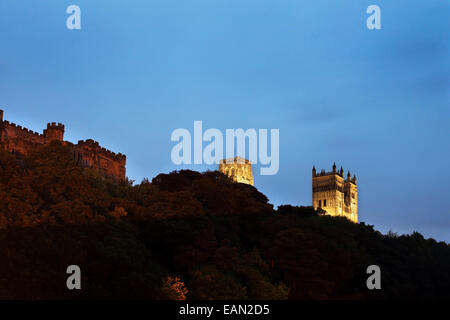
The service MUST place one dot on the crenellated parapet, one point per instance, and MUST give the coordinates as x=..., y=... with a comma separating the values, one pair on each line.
x=55, y=126
x=17, y=139
x=90, y=154
x=339, y=173
x=21, y=129
x=89, y=143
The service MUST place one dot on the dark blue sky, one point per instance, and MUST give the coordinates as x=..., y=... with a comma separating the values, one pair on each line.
x=376, y=102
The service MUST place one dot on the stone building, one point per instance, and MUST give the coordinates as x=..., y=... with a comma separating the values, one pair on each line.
x=21, y=142
x=334, y=194
x=238, y=169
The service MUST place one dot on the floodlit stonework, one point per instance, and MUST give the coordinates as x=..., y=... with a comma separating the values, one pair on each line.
x=21, y=142
x=238, y=169
x=334, y=194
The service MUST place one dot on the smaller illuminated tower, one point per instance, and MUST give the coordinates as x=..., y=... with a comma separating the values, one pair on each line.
x=238, y=169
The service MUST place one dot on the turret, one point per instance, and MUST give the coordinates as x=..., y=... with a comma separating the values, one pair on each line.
x=53, y=132
x=341, y=172
x=348, y=176
x=354, y=179
x=314, y=171
x=1, y=115
x=334, y=167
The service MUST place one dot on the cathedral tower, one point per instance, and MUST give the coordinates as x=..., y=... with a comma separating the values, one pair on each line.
x=238, y=169
x=334, y=194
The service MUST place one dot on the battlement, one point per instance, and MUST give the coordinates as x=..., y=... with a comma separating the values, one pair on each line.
x=238, y=160
x=22, y=129
x=96, y=146
x=89, y=142
x=334, y=172
x=54, y=125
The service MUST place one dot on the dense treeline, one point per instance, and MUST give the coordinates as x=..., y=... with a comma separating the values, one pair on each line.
x=190, y=235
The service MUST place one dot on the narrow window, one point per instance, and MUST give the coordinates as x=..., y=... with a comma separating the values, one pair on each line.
x=320, y=203
x=325, y=202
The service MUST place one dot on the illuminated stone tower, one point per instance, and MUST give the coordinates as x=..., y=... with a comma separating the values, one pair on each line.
x=238, y=169
x=334, y=194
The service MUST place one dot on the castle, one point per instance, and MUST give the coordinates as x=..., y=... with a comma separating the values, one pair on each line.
x=332, y=193
x=238, y=169
x=21, y=142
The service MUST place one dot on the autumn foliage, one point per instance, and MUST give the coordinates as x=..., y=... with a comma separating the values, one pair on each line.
x=190, y=235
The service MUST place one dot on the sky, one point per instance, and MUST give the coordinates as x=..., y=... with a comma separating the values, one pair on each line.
x=376, y=102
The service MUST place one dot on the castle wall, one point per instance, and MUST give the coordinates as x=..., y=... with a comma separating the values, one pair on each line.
x=19, y=140
x=90, y=154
